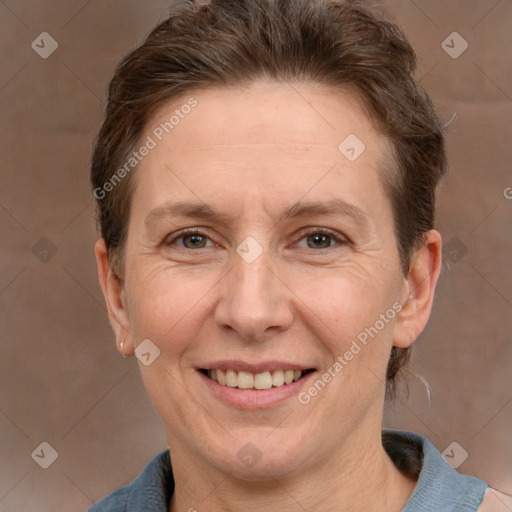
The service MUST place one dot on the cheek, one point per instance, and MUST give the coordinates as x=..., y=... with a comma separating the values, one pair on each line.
x=354, y=319
x=165, y=306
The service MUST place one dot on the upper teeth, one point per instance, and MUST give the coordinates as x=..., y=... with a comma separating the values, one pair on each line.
x=248, y=380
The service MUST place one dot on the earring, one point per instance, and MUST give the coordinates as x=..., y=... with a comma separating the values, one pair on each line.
x=121, y=345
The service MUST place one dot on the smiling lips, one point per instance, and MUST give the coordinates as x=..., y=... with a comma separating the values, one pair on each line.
x=248, y=380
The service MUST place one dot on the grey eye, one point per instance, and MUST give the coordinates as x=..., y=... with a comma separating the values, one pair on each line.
x=194, y=241
x=319, y=241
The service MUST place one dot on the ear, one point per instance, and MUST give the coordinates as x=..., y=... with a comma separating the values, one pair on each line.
x=418, y=291
x=113, y=291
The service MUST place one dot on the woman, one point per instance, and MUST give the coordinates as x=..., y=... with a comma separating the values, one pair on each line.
x=265, y=178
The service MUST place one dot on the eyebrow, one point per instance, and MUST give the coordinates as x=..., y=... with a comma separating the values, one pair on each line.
x=183, y=209
x=298, y=210
x=331, y=207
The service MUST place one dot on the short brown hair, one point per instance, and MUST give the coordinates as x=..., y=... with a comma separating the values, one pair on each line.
x=336, y=43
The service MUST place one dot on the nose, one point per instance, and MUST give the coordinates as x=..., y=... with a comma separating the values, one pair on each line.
x=254, y=301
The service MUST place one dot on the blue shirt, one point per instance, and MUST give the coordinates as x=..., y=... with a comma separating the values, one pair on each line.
x=439, y=488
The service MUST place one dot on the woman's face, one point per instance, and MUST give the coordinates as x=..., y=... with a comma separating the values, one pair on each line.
x=257, y=246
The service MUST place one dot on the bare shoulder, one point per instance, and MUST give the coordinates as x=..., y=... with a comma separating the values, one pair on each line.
x=495, y=501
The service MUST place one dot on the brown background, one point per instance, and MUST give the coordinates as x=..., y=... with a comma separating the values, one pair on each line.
x=62, y=380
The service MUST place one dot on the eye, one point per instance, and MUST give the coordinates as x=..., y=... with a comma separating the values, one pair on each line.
x=320, y=239
x=190, y=239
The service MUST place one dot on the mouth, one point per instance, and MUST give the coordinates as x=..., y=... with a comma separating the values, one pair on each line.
x=256, y=381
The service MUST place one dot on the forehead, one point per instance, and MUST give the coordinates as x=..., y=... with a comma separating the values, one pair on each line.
x=291, y=139
x=263, y=112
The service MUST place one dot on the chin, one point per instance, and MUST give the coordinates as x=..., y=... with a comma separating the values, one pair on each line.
x=258, y=457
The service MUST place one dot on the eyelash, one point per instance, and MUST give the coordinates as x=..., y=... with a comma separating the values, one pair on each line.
x=340, y=241
x=183, y=234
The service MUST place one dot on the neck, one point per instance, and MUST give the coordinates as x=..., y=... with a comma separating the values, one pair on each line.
x=353, y=479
